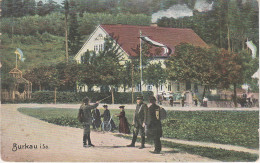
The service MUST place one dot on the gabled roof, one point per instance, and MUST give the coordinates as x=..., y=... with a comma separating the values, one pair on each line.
x=128, y=36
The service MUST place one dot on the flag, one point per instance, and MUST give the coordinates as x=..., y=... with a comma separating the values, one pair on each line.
x=20, y=53
x=252, y=47
x=167, y=50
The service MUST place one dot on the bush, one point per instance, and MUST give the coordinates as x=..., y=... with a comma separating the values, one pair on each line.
x=77, y=97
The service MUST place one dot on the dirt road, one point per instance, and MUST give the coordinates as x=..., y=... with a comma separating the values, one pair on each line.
x=65, y=143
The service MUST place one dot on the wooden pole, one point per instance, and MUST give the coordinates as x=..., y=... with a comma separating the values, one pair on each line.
x=66, y=40
x=55, y=95
x=132, y=83
x=112, y=94
x=141, y=69
x=66, y=31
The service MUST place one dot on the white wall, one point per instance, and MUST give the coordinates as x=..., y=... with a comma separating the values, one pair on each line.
x=97, y=39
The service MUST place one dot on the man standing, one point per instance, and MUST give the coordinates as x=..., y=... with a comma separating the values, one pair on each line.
x=154, y=126
x=138, y=122
x=87, y=120
x=96, y=118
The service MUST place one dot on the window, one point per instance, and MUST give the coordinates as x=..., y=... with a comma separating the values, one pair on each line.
x=99, y=47
x=188, y=86
x=178, y=86
x=149, y=87
x=96, y=48
x=138, y=88
x=196, y=88
x=161, y=87
x=169, y=87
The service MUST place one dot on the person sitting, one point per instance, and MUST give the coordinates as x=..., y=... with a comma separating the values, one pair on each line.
x=106, y=115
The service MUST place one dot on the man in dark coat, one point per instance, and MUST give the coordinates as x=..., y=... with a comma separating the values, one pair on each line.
x=87, y=120
x=96, y=118
x=138, y=122
x=153, y=124
x=106, y=115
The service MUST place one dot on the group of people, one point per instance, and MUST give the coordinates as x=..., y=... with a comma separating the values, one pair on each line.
x=146, y=121
x=96, y=118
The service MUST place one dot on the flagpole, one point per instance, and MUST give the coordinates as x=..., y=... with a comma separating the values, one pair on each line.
x=141, y=68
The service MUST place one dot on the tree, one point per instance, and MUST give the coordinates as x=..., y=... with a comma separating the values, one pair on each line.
x=104, y=67
x=73, y=35
x=155, y=75
x=229, y=66
x=66, y=14
x=192, y=64
x=29, y=7
x=40, y=9
x=109, y=66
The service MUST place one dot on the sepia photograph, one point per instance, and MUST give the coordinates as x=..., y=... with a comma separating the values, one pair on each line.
x=129, y=80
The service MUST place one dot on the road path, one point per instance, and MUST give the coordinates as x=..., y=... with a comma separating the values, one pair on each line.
x=65, y=143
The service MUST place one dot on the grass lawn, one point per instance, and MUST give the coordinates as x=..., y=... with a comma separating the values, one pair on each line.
x=224, y=127
x=213, y=153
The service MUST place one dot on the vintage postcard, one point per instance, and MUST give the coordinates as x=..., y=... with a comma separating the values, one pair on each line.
x=129, y=80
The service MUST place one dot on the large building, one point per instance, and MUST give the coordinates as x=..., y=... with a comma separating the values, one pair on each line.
x=128, y=38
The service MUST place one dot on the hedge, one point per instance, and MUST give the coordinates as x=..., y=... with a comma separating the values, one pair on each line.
x=76, y=97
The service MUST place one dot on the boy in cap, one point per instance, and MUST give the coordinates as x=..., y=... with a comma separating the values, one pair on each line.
x=138, y=122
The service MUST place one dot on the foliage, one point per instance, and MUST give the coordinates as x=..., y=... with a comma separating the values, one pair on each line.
x=154, y=74
x=229, y=66
x=214, y=126
x=77, y=97
x=74, y=36
x=227, y=25
x=210, y=126
x=192, y=64
x=89, y=21
x=21, y=8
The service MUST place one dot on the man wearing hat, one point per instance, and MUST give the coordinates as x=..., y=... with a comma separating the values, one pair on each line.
x=138, y=122
x=87, y=120
x=154, y=126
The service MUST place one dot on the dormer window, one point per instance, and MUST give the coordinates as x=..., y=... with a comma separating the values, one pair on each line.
x=99, y=37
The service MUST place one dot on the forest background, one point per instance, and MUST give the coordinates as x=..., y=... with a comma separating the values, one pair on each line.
x=38, y=28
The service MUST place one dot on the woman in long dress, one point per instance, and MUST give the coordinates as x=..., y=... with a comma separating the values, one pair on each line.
x=123, y=124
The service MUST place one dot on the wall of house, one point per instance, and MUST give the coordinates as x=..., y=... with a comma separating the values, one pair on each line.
x=96, y=42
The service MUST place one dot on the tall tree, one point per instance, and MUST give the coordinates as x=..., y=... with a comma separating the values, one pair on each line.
x=73, y=35
x=18, y=8
x=40, y=9
x=192, y=64
x=66, y=14
x=29, y=7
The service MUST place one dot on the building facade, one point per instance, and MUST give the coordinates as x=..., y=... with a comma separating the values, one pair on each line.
x=128, y=38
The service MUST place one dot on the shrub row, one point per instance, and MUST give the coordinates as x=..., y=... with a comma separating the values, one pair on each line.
x=76, y=97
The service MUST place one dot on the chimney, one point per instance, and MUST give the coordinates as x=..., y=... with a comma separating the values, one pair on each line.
x=153, y=25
